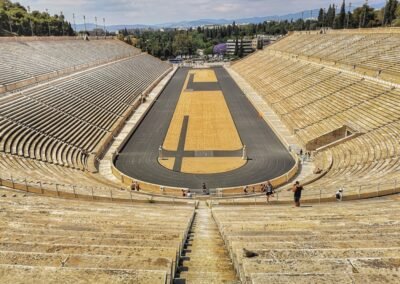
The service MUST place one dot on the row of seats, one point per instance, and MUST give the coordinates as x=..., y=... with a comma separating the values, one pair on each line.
x=313, y=99
x=368, y=162
x=302, y=94
x=65, y=121
x=23, y=59
x=349, y=242
x=379, y=52
x=50, y=179
x=54, y=240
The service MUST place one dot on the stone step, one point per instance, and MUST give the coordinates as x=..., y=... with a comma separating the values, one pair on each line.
x=206, y=266
x=217, y=260
x=206, y=246
x=220, y=276
x=206, y=259
x=199, y=253
x=204, y=281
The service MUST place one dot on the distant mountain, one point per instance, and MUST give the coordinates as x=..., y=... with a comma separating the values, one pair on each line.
x=203, y=22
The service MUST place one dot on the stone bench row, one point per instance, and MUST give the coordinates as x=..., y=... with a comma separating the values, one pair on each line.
x=356, y=238
x=53, y=125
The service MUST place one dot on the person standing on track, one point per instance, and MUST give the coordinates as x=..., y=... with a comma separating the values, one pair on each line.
x=297, y=189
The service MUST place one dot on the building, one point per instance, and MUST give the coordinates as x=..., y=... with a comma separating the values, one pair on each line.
x=246, y=42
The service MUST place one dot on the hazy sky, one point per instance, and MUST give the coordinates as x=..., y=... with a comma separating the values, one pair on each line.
x=162, y=11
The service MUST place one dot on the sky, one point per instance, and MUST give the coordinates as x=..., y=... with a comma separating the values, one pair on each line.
x=163, y=11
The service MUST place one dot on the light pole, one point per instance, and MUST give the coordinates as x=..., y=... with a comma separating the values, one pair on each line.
x=62, y=22
x=95, y=19
x=244, y=153
x=48, y=20
x=30, y=19
x=73, y=16
x=84, y=21
x=104, y=24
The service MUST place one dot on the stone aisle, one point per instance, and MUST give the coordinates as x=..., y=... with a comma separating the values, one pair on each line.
x=205, y=258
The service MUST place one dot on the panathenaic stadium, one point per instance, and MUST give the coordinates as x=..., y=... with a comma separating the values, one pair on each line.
x=116, y=167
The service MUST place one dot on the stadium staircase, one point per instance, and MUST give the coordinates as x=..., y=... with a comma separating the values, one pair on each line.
x=205, y=259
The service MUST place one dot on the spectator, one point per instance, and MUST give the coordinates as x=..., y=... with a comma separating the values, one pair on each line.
x=135, y=186
x=245, y=189
x=269, y=190
x=297, y=189
x=189, y=194
x=183, y=193
x=205, y=190
x=339, y=194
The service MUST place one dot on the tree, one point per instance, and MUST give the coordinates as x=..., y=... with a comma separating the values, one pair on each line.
x=183, y=44
x=341, y=23
x=396, y=22
x=209, y=50
x=390, y=12
x=16, y=20
x=363, y=17
x=321, y=16
x=330, y=15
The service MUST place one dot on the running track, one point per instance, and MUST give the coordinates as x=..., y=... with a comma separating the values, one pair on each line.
x=268, y=158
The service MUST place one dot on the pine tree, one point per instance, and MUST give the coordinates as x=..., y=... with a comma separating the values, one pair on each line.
x=342, y=16
x=321, y=17
x=330, y=15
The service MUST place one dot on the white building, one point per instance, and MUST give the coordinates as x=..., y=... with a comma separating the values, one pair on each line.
x=247, y=46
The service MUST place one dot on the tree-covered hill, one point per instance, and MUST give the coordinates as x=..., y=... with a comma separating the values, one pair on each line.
x=15, y=19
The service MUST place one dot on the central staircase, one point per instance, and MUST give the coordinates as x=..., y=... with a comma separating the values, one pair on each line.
x=205, y=259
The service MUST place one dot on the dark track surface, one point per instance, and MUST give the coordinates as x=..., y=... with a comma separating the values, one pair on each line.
x=268, y=158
